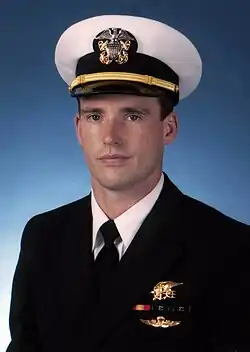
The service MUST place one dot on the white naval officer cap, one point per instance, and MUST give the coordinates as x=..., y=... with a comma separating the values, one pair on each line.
x=127, y=54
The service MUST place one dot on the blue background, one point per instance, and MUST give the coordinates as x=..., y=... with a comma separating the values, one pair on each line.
x=41, y=163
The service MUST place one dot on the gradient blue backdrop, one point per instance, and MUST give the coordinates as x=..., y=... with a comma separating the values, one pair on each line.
x=41, y=163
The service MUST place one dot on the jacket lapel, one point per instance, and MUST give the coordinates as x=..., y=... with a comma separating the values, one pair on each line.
x=153, y=252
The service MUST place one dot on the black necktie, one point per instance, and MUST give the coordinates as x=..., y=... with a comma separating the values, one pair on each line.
x=108, y=258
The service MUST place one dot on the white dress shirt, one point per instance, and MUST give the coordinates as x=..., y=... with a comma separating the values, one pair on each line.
x=127, y=223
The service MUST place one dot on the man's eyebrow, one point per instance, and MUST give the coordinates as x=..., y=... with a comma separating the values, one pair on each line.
x=130, y=109
x=135, y=109
x=91, y=109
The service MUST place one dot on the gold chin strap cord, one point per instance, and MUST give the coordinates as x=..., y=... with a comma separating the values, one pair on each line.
x=123, y=76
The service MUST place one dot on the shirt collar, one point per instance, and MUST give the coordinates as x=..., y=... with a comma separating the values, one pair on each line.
x=130, y=221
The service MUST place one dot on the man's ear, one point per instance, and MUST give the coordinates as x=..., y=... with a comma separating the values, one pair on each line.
x=170, y=128
x=77, y=127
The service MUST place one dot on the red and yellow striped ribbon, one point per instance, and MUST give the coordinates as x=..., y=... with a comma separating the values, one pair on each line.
x=142, y=307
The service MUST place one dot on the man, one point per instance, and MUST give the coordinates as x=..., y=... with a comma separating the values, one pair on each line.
x=136, y=264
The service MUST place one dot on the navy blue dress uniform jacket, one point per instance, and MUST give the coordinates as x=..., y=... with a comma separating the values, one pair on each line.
x=181, y=240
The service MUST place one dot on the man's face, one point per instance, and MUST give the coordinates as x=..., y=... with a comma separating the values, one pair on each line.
x=123, y=138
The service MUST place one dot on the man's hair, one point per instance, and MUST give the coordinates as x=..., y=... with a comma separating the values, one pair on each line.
x=166, y=106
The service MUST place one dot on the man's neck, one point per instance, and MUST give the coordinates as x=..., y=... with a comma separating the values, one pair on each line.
x=114, y=203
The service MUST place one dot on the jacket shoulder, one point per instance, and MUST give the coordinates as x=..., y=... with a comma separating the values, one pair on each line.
x=61, y=211
x=52, y=219
x=215, y=222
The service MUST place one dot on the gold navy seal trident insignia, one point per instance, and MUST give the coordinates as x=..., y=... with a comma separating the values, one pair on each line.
x=114, y=44
x=162, y=291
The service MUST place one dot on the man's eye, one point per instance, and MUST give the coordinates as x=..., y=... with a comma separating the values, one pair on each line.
x=94, y=117
x=134, y=117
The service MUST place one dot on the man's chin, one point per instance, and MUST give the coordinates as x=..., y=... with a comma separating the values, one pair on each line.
x=115, y=182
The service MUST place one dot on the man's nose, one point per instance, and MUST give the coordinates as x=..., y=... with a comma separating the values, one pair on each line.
x=112, y=133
